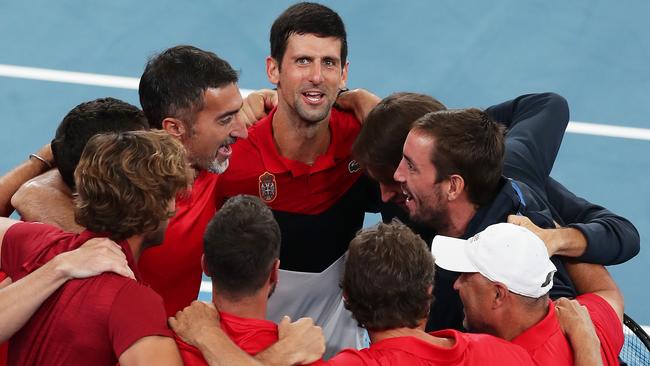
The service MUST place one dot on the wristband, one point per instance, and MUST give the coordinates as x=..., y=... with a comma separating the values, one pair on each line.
x=47, y=163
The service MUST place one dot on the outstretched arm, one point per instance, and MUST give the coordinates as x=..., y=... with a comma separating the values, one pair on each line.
x=359, y=101
x=536, y=125
x=198, y=324
x=30, y=168
x=19, y=300
x=594, y=234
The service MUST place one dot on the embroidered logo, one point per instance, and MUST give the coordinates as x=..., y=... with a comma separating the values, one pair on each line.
x=268, y=187
x=353, y=166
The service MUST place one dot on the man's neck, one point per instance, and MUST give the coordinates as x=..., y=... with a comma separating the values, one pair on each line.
x=135, y=244
x=461, y=213
x=253, y=307
x=418, y=332
x=519, y=320
x=299, y=140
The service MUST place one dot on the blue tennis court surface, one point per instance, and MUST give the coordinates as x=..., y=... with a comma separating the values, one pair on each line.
x=465, y=53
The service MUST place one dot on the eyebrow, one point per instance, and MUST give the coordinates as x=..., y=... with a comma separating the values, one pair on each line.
x=231, y=112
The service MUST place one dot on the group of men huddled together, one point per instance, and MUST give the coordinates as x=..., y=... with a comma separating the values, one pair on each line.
x=125, y=210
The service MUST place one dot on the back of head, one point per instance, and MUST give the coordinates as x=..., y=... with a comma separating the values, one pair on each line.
x=174, y=81
x=379, y=144
x=307, y=18
x=468, y=143
x=126, y=181
x=241, y=244
x=85, y=121
x=388, y=277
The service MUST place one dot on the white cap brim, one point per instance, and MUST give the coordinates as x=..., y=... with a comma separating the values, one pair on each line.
x=451, y=254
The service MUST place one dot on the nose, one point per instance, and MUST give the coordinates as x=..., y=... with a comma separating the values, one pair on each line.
x=239, y=129
x=386, y=193
x=457, y=282
x=316, y=73
x=399, y=172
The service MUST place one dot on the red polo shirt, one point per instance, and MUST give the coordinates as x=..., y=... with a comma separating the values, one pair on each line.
x=547, y=345
x=251, y=335
x=468, y=349
x=87, y=321
x=173, y=269
x=319, y=207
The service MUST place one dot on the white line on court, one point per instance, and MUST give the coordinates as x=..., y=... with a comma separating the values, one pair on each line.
x=122, y=82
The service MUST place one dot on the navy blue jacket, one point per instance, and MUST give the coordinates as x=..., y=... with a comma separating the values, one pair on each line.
x=536, y=125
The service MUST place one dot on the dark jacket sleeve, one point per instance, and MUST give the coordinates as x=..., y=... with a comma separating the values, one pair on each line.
x=535, y=127
x=611, y=239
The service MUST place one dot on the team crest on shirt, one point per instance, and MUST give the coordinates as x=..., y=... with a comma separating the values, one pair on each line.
x=353, y=166
x=268, y=187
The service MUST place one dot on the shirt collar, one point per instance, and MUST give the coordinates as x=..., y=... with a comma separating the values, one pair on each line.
x=262, y=135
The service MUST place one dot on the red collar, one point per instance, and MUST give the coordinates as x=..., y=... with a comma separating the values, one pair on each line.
x=261, y=135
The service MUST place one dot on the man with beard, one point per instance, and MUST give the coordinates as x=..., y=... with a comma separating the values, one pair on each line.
x=193, y=95
x=298, y=161
x=593, y=233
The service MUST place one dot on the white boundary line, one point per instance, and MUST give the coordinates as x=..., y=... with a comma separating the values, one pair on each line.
x=122, y=82
x=70, y=77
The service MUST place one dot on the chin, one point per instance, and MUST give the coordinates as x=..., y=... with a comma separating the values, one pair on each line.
x=219, y=167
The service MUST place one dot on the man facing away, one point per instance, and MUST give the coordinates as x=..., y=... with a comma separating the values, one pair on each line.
x=241, y=256
x=504, y=284
x=126, y=185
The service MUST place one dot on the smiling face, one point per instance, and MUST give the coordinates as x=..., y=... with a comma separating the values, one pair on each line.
x=426, y=199
x=308, y=77
x=215, y=128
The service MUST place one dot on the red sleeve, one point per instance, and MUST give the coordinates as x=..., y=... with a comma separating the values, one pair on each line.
x=137, y=312
x=25, y=243
x=608, y=326
x=191, y=355
x=346, y=357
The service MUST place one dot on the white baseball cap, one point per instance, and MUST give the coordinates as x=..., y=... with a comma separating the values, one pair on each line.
x=504, y=253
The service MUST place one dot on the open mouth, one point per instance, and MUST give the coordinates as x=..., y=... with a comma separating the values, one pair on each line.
x=407, y=196
x=224, y=152
x=313, y=97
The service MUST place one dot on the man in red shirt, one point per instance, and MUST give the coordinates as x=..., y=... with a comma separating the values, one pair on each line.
x=388, y=283
x=505, y=278
x=193, y=95
x=126, y=184
x=243, y=275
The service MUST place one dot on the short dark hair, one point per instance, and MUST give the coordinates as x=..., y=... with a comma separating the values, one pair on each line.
x=307, y=18
x=388, y=274
x=174, y=81
x=468, y=143
x=380, y=142
x=85, y=121
x=125, y=181
x=241, y=243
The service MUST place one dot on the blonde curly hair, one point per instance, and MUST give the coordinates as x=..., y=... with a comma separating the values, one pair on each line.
x=125, y=182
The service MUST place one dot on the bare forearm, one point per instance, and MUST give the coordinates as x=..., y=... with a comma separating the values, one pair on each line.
x=11, y=182
x=47, y=199
x=594, y=278
x=586, y=350
x=21, y=299
x=568, y=242
x=219, y=350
